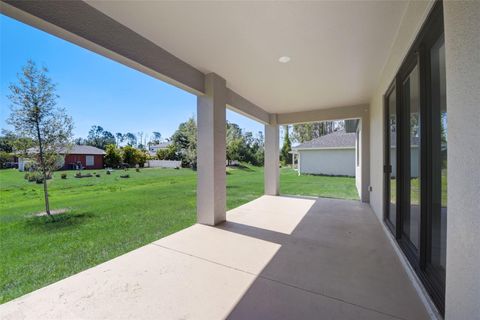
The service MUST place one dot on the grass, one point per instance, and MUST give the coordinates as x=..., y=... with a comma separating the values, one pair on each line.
x=415, y=190
x=109, y=216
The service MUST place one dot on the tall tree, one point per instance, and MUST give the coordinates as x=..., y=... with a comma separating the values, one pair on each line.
x=156, y=138
x=185, y=141
x=36, y=115
x=131, y=139
x=119, y=137
x=312, y=130
x=100, y=138
x=285, y=155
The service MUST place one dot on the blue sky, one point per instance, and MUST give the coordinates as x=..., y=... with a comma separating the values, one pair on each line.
x=96, y=90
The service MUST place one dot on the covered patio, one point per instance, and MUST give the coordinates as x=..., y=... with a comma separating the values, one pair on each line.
x=290, y=63
x=274, y=258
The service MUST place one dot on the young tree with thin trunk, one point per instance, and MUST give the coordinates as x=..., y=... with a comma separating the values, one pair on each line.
x=35, y=115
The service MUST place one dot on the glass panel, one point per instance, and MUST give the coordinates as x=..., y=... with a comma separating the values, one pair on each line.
x=411, y=220
x=439, y=157
x=392, y=127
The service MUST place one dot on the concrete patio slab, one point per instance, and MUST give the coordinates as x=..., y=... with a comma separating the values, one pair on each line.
x=275, y=258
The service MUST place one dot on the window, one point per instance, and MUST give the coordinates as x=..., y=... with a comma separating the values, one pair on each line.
x=89, y=161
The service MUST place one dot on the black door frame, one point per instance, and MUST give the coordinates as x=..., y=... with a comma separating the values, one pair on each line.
x=419, y=54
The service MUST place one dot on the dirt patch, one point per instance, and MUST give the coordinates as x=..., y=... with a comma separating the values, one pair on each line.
x=53, y=212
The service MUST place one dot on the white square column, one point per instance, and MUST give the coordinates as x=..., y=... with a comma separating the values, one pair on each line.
x=211, y=151
x=272, y=160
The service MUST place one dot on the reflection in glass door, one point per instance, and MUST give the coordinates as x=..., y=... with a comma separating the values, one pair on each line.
x=411, y=217
x=438, y=237
x=391, y=159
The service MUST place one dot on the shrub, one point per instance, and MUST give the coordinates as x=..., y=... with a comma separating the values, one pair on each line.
x=109, y=172
x=137, y=169
x=170, y=153
x=125, y=176
x=133, y=156
x=64, y=176
x=32, y=176
x=80, y=175
x=113, y=156
x=5, y=157
x=39, y=180
x=97, y=175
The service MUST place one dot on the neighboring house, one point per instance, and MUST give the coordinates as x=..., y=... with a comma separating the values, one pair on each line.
x=79, y=156
x=89, y=157
x=331, y=154
x=152, y=150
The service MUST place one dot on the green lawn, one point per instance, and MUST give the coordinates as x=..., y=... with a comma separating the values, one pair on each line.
x=109, y=216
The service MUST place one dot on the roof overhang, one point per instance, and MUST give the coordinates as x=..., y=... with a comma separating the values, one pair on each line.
x=337, y=49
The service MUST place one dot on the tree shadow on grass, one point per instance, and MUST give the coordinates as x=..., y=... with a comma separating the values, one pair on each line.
x=62, y=221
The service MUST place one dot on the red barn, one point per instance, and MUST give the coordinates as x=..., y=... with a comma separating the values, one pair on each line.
x=86, y=157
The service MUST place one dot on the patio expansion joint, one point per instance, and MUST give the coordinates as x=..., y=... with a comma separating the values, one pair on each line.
x=281, y=282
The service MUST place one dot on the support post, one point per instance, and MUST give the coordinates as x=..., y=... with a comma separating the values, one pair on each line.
x=211, y=151
x=272, y=157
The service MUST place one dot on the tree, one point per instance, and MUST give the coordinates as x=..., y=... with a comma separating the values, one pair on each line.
x=100, y=138
x=131, y=139
x=168, y=153
x=133, y=156
x=113, y=156
x=119, y=138
x=285, y=155
x=35, y=115
x=309, y=131
x=7, y=141
x=129, y=155
x=156, y=139
x=185, y=141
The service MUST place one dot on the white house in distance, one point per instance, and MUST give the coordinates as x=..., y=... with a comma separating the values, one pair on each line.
x=331, y=154
x=152, y=150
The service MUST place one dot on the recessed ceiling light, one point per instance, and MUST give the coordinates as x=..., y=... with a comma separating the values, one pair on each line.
x=284, y=59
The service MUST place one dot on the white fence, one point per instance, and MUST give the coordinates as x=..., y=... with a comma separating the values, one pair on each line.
x=163, y=164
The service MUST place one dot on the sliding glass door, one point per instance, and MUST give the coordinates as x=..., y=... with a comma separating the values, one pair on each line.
x=390, y=168
x=416, y=135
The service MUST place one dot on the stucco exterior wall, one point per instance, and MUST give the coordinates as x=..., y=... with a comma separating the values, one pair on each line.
x=414, y=16
x=462, y=52
x=327, y=161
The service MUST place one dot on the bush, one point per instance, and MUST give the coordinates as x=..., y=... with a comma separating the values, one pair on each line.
x=125, y=176
x=170, y=153
x=97, y=175
x=64, y=176
x=113, y=156
x=137, y=169
x=80, y=175
x=133, y=156
x=109, y=172
x=39, y=180
x=5, y=158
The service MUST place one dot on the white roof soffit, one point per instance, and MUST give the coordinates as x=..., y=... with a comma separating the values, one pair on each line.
x=337, y=49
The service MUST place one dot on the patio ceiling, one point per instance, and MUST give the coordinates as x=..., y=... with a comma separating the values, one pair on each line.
x=337, y=49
